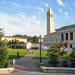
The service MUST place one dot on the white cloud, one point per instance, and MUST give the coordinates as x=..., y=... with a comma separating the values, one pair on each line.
x=40, y=9
x=21, y=24
x=66, y=13
x=15, y=4
x=60, y=2
x=11, y=4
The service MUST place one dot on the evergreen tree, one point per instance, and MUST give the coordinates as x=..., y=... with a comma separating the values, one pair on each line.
x=3, y=51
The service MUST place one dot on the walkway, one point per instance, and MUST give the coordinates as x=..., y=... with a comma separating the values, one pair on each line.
x=27, y=62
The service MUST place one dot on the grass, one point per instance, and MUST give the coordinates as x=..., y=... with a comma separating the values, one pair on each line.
x=13, y=53
x=43, y=54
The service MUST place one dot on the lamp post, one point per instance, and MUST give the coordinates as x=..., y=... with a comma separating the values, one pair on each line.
x=40, y=49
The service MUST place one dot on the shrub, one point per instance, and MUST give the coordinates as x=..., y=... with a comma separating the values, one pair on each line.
x=35, y=48
x=72, y=58
x=18, y=46
x=53, y=54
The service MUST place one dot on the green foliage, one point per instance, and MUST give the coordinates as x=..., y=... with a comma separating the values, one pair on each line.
x=13, y=42
x=58, y=52
x=72, y=58
x=3, y=51
x=72, y=54
x=1, y=33
x=53, y=54
x=35, y=39
x=16, y=44
x=3, y=54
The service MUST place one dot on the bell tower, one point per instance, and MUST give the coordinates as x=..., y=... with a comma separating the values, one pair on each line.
x=50, y=21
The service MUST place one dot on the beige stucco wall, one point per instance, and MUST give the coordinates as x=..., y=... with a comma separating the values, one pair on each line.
x=13, y=38
x=29, y=45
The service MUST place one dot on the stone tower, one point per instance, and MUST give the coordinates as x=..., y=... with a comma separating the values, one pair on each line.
x=50, y=21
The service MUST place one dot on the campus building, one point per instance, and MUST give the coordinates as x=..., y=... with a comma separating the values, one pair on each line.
x=67, y=34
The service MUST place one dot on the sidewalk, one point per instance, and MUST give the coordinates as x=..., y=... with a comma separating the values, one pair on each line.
x=27, y=62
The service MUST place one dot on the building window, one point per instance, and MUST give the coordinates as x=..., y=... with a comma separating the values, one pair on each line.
x=70, y=45
x=71, y=35
x=66, y=36
x=62, y=37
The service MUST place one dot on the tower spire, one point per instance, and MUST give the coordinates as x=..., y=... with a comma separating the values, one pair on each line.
x=50, y=12
x=49, y=9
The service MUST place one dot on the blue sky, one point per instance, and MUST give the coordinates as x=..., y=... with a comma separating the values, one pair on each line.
x=29, y=16
x=64, y=11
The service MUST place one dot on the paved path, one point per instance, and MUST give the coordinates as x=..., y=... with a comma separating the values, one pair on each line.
x=31, y=53
x=27, y=61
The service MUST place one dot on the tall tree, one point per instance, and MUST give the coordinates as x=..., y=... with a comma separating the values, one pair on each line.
x=3, y=51
x=35, y=39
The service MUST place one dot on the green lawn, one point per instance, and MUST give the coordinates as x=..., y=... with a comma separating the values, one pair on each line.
x=43, y=54
x=13, y=53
